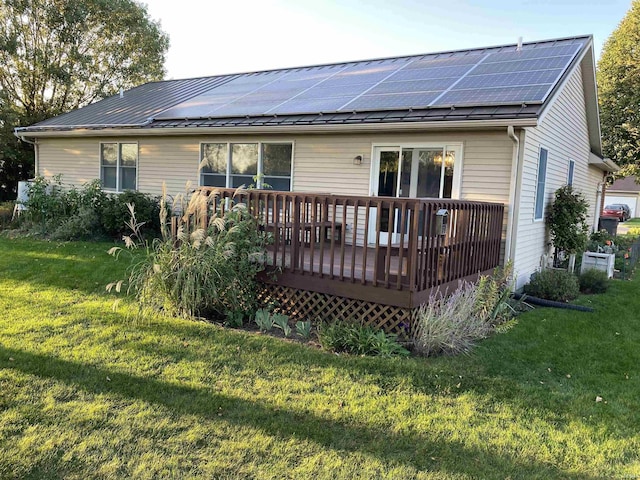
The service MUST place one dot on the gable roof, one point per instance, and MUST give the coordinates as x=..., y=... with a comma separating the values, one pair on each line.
x=495, y=83
x=627, y=184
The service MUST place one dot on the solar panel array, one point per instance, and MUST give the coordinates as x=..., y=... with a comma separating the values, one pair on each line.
x=494, y=76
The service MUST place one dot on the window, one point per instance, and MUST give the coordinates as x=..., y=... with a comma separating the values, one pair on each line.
x=213, y=167
x=572, y=166
x=235, y=164
x=542, y=177
x=118, y=166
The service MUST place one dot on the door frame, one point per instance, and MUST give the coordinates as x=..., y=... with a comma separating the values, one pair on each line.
x=374, y=174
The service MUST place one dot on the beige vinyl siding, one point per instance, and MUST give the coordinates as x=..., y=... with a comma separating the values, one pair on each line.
x=564, y=134
x=77, y=159
x=322, y=163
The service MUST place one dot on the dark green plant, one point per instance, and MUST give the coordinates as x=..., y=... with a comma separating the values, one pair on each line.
x=358, y=340
x=619, y=92
x=59, y=56
x=594, y=281
x=304, y=329
x=234, y=318
x=114, y=214
x=556, y=285
x=567, y=221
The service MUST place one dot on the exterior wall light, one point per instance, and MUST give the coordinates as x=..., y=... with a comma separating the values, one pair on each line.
x=357, y=160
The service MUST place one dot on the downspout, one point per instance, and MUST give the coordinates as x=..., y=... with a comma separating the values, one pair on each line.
x=513, y=192
x=600, y=189
x=34, y=142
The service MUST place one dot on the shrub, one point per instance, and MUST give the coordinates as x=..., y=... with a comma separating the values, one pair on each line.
x=359, y=340
x=84, y=225
x=6, y=213
x=594, y=281
x=85, y=213
x=566, y=220
x=114, y=213
x=207, y=272
x=492, y=295
x=449, y=325
x=556, y=285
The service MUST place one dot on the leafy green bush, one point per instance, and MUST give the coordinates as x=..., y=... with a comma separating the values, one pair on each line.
x=358, y=340
x=84, y=225
x=556, y=285
x=567, y=222
x=114, y=214
x=85, y=213
x=594, y=281
x=207, y=272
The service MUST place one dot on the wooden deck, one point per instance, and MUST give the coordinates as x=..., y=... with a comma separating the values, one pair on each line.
x=393, y=251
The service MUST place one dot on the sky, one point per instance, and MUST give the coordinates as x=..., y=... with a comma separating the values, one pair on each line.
x=221, y=36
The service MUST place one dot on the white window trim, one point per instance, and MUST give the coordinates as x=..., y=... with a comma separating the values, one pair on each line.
x=118, y=166
x=544, y=191
x=259, y=142
x=456, y=187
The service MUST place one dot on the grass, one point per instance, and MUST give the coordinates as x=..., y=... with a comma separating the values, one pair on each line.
x=632, y=222
x=85, y=392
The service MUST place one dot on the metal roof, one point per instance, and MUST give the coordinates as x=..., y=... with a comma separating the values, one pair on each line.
x=501, y=82
x=137, y=105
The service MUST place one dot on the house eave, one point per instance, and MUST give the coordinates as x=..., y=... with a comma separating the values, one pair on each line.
x=604, y=164
x=366, y=127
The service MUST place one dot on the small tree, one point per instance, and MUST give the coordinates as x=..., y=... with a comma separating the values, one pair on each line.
x=567, y=221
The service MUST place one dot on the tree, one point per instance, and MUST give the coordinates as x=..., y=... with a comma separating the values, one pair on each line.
x=567, y=221
x=619, y=92
x=59, y=55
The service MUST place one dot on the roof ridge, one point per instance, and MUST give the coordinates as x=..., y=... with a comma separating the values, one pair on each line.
x=381, y=59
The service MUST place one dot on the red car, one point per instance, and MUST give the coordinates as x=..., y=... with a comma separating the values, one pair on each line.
x=619, y=210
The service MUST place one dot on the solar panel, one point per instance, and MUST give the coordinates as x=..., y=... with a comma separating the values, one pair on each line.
x=398, y=100
x=523, y=65
x=499, y=75
x=509, y=79
x=493, y=95
x=413, y=86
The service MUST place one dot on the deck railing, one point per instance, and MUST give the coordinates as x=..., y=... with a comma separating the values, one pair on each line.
x=392, y=243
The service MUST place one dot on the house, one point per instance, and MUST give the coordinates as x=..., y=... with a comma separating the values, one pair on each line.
x=625, y=191
x=405, y=174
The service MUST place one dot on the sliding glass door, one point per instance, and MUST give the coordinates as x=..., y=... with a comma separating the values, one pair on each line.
x=412, y=172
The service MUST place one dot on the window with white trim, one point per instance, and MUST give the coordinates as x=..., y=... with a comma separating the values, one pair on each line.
x=542, y=179
x=264, y=164
x=118, y=166
x=572, y=167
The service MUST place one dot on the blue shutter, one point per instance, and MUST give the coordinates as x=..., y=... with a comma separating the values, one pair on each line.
x=542, y=177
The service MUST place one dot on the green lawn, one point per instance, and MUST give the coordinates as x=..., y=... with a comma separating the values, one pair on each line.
x=87, y=393
x=632, y=222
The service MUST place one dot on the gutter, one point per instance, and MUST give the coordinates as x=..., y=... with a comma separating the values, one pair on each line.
x=83, y=131
x=34, y=142
x=514, y=191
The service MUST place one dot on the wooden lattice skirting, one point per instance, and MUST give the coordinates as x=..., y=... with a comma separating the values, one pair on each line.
x=307, y=305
